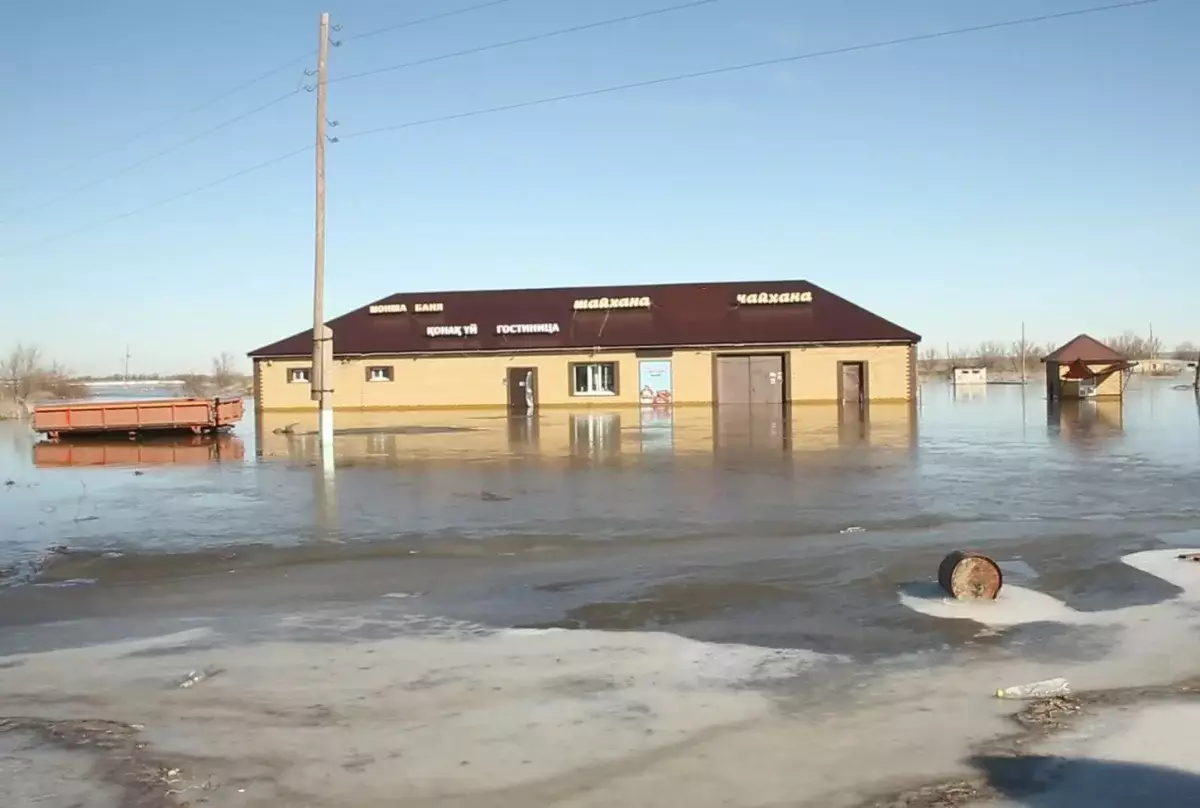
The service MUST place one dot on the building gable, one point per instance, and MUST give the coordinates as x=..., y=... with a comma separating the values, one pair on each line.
x=1086, y=349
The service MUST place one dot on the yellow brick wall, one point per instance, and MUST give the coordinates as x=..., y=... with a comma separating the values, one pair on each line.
x=814, y=372
x=481, y=380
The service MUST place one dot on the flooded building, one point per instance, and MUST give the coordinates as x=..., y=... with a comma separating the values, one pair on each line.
x=771, y=343
x=1085, y=368
x=968, y=375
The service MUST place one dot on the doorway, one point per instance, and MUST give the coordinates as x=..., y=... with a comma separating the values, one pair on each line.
x=757, y=379
x=852, y=386
x=522, y=391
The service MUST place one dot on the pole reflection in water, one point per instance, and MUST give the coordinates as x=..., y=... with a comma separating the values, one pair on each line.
x=327, y=526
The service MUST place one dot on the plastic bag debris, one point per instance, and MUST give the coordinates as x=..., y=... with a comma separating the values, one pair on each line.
x=194, y=678
x=1047, y=688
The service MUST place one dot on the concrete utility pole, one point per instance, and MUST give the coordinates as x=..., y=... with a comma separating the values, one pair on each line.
x=1022, y=352
x=322, y=369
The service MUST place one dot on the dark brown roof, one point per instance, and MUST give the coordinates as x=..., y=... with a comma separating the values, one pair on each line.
x=678, y=315
x=1086, y=349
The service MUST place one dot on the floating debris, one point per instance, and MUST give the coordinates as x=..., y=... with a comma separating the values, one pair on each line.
x=1045, y=689
x=194, y=678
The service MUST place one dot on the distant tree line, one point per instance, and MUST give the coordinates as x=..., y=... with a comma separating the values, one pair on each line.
x=1007, y=356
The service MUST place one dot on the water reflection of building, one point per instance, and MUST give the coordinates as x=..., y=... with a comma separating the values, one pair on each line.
x=418, y=436
x=190, y=449
x=970, y=392
x=595, y=434
x=1086, y=420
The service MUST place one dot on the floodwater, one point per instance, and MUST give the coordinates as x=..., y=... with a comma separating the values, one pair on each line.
x=734, y=585
x=736, y=525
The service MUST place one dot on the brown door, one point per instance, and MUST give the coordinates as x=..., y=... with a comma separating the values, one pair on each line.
x=766, y=380
x=522, y=390
x=733, y=379
x=853, y=384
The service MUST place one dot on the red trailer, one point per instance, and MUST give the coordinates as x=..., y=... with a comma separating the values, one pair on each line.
x=194, y=415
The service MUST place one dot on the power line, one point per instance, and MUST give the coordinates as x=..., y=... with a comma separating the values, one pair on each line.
x=422, y=20
x=150, y=158
x=716, y=71
x=525, y=39
x=161, y=124
x=159, y=202
x=212, y=100
x=593, y=92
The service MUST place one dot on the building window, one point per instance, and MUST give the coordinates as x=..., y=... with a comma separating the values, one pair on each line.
x=594, y=379
x=381, y=373
x=299, y=375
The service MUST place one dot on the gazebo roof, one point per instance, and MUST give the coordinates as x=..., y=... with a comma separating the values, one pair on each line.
x=1085, y=349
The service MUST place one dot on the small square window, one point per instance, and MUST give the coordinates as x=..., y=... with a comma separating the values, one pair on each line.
x=594, y=379
x=299, y=375
x=381, y=373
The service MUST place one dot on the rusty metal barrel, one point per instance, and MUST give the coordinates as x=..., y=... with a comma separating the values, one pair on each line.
x=970, y=576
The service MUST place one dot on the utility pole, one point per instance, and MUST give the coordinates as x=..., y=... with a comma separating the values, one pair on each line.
x=1022, y=353
x=126, y=361
x=322, y=369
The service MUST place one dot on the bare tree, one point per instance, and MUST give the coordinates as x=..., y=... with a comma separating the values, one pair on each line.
x=1022, y=353
x=992, y=353
x=225, y=379
x=224, y=372
x=1135, y=346
x=1186, y=350
x=26, y=377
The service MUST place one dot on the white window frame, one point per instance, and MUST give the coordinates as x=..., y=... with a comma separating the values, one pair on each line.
x=389, y=373
x=299, y=375
x=594, y=379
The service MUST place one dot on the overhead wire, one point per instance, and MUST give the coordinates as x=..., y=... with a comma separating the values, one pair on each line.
x=809, y=55
x=441, y=15
x=717, y=71
x=151, y=158
x=508, y=43
x=158, y=202
x=162, y=123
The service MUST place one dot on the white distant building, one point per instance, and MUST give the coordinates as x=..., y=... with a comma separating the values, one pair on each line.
x=968, y=376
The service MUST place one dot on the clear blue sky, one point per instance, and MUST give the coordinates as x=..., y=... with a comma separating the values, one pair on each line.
x=1047, y=173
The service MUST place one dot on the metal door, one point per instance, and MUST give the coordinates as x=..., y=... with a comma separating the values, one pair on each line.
x=522, y=390
x=733, y=379
x=853, y=384
x=766, y=380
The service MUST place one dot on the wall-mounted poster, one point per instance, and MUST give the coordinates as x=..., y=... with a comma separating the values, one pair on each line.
x=654, y=382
